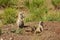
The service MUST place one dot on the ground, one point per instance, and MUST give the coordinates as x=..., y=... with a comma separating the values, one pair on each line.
x=51, y=32
x=51, y=29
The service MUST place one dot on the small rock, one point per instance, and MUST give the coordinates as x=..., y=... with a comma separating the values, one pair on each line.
x=28, y=29
x=11, y=38
x=1, y=39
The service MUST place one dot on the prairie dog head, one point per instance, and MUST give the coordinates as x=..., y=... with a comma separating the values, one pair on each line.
x=41, y=23
x=20, y=15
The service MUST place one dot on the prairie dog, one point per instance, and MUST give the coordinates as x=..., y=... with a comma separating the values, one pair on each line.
x=20, y=20
x=39, y=28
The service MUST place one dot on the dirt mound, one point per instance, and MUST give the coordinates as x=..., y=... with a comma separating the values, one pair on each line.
x=51, y=32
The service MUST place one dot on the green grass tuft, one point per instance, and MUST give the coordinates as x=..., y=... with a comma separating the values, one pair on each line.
x=9, y=16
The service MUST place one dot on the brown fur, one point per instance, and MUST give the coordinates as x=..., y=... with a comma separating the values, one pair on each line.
x=20, y=20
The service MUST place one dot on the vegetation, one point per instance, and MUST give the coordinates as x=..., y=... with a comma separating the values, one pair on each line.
x=20, y=31
x=36, y=8
x=7, y=3
x=9, y=16
x=33, y=3
x=37, y=11
x=56, y=3
x=13, y=30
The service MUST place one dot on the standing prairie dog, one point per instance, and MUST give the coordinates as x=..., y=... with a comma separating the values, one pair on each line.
x=20, y=20
x=39, y=28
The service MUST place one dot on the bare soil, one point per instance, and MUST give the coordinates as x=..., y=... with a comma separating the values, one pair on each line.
x=51, y=32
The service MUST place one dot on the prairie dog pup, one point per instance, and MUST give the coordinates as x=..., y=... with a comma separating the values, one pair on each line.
x=20, y=20
x=39, y=28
